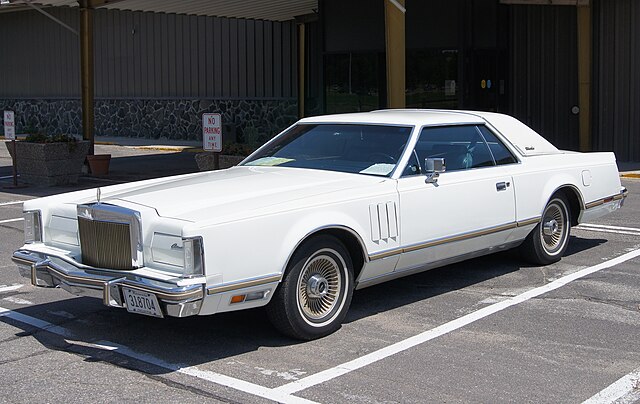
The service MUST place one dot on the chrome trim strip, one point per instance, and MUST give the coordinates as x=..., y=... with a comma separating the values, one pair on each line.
x=621, y=195
x=385, y=254
x=527, y=222
x=452, y=239
x=263, y=280
x=410, y=271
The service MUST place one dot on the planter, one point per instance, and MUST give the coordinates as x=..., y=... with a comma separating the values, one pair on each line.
x=50, y=163
x=205, y=161
x=99, y=164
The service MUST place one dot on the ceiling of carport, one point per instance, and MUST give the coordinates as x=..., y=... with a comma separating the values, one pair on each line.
x=274, y=10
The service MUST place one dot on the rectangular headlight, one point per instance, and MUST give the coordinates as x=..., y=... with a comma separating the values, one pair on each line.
x=193, y=256
x=32, y=227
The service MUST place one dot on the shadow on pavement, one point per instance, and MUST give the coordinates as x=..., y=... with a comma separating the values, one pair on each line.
x=198, y=340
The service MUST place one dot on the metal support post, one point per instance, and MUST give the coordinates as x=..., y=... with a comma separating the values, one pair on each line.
x=86, y=72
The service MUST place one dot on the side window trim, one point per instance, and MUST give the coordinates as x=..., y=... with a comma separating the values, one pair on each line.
x=495, y=163
x=506, y=144
x=417, y=139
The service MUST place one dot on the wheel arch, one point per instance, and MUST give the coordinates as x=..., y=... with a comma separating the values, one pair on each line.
x=349, y=237
x=575, y=199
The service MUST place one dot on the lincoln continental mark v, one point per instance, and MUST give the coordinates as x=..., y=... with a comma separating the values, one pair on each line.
x=331, y=205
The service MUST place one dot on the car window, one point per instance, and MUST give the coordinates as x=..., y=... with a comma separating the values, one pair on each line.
x=462, y=147
x=364, y=149
x=501, y=154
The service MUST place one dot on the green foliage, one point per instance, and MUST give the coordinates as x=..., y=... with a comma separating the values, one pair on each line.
x=41, y=137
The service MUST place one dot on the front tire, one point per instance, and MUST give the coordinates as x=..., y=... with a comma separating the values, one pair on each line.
x=316, y=292
x=548, y=241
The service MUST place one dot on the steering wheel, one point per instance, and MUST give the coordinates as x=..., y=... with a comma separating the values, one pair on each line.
x=387, y=158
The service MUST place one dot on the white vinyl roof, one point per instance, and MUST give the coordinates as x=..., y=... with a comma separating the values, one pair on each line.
x=273, y=10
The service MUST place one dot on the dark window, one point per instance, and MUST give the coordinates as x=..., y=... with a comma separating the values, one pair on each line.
x=462, y=147
x=501, y=154
x=364, y=149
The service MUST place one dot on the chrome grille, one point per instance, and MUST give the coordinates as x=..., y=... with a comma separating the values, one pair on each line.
x=105, y=244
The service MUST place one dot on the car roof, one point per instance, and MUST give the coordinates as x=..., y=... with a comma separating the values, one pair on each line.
x=526, y=141
x=414, y=117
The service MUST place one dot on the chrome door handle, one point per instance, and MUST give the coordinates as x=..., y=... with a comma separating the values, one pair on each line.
x=502, y=186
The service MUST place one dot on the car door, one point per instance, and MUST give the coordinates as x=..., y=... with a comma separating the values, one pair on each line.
x=470, y=208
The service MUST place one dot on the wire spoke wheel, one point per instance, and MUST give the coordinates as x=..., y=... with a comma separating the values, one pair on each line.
x=319, y=287
x=548, y=241
x=315, y=295
x=554, y=226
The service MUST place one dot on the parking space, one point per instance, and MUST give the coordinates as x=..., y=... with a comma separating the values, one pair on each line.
x=493, y=329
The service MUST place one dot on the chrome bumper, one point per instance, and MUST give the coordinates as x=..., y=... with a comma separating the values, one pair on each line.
x=51, y=271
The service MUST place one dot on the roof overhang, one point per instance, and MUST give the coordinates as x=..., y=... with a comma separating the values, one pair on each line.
x=273, y=10
x=548, y=2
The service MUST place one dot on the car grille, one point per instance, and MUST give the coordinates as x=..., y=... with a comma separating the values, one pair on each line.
x=105, y=244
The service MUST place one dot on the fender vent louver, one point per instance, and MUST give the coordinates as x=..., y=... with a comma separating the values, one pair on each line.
x=384, y=221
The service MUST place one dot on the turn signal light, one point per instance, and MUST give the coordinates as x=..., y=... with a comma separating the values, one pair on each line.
x=250, y=296
x=237, y=299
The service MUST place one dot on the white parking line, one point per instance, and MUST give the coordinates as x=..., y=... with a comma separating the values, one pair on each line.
x=446, y=328
x=11, y=203
x=626, y=387
x=609, y=229
x=628, y=233
x=12, y=220
x=193, y=371
x=284, y=393
x=9, y=288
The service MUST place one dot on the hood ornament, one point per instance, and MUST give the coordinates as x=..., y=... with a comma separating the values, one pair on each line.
x=98, y=192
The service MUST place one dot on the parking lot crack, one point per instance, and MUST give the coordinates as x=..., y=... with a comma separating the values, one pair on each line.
x=627, y=305
x=31, y=355
x=190, y=389
x=631, y=306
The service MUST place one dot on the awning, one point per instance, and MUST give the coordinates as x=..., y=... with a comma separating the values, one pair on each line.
x=274, y=10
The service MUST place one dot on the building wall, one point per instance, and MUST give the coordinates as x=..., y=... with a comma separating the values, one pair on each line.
x=544, y=71
x=616, y=86
x=154, y=72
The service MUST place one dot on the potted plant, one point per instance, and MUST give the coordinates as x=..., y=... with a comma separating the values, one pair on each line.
x=43, y=159
x=99, y=164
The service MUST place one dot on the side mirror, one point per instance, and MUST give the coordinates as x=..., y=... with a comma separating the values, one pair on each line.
x=433, y=167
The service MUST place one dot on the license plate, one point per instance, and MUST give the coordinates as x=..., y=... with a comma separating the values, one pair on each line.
x=141, y=302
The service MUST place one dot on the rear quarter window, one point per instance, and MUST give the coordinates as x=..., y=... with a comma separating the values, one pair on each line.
x=501, y=154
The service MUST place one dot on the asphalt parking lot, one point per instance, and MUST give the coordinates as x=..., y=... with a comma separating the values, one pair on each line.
x=493, y=329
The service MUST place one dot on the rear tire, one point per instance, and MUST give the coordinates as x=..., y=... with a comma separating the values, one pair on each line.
x=316, y=292
x=548, y=241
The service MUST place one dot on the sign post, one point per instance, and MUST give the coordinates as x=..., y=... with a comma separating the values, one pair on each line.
x=10, y=134
x=212, y=136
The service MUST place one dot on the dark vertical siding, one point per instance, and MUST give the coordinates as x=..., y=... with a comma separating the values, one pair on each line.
x=616, y=87
x=544, y=71
x=147, y=55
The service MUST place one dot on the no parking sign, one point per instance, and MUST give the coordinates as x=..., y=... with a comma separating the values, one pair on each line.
x=9, y=125
x=212, y=132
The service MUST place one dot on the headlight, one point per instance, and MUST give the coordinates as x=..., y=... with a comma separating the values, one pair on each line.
x=193, y=256
x=32, y=227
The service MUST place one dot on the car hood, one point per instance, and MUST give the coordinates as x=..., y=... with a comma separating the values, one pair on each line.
x=241, y=191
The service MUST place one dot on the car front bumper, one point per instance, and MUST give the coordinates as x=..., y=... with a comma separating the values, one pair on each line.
x=49, y=270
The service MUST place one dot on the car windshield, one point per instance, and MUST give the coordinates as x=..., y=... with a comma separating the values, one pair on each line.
x=364, y=149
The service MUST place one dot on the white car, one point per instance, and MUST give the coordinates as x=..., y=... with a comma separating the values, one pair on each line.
x=333, y=204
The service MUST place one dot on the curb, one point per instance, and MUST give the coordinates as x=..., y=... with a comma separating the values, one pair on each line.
x=186, y=149
x=630, y=175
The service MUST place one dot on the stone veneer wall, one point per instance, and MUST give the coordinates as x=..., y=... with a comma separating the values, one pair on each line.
x=258, y=120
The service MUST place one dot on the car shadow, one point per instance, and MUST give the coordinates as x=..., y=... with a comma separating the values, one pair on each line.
x=197, y=340
x=438, y=281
